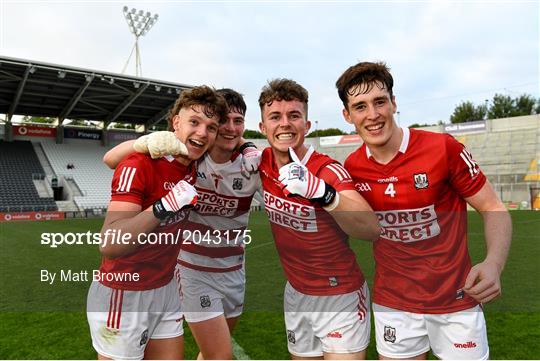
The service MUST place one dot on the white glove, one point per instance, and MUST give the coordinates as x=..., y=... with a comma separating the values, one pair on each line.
x=298, y=180
x=183, y=195
x=251, y=159
x=159, y=144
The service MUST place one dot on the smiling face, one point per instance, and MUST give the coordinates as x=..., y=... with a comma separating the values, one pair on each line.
x=371, y=111
x=230, y=132
x=196, y=130
x=285, y=125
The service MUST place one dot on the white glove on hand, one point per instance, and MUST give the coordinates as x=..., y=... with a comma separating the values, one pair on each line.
x=251, y=159
x=159, y=144
x=298, y=180
x=182, y=195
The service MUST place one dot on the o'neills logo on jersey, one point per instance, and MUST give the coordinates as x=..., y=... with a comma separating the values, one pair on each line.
x=211, y=203
x=388, y=180
x=289, y=214
x=409, y=225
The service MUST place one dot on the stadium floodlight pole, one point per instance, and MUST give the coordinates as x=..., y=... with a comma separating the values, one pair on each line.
x=139, y=25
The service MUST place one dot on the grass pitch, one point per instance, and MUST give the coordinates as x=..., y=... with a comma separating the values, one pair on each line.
x=43, y=321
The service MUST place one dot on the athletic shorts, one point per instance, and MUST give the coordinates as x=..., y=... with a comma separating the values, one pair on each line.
x=458, y=335
x=331, y=324
x=206, y=295
x=121, y=322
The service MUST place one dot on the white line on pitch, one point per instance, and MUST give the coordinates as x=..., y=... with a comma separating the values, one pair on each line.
x=238, y=351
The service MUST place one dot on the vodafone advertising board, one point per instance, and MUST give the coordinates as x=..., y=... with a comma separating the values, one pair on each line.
x=30, y=216
x=33, y=131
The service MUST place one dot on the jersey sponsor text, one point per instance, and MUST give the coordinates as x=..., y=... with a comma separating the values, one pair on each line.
x=297, y=216
x=409, y=225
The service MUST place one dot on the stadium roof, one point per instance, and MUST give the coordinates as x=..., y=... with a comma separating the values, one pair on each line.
x=49, y=90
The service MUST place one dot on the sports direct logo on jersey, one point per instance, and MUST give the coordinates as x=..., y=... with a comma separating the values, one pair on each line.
x=211, y=203
x=409, y=225
x=299, y=217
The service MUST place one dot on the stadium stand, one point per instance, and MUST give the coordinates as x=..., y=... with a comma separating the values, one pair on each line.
x=19, y=166
x=89, y=174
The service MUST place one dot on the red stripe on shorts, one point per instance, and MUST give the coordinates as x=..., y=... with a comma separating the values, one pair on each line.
x=115, y=309
x=110, y=309
x=119, y=313
x=362, y=311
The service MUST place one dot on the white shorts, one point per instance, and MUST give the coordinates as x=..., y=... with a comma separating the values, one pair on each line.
x=331, y=324
x=206, y=295
x=121, y=322
x=457, y=336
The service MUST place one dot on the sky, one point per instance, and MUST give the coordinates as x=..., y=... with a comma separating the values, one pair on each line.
x=440, y=52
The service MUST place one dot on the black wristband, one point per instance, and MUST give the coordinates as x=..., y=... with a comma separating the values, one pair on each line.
x=246, y=145
x=159, y=211
x=328, y=196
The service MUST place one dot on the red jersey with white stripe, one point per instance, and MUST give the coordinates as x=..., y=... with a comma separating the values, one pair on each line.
x=142, y=180
x=313, y=249
x=422, y=259
x=215, y=229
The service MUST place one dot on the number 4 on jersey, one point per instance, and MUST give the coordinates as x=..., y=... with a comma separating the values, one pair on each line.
x=390, y=191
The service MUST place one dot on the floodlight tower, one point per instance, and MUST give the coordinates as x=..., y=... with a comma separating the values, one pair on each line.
x=139, y=24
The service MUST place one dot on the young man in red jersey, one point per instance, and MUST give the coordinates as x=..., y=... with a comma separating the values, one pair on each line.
x=313, y=208
x=133, y=309
x=210, y=266
x=426, y=294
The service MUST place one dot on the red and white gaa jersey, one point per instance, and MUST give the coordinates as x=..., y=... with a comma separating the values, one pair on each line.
x=421, y=258
x=313, y=249
x=215, y=230
x=142, y=180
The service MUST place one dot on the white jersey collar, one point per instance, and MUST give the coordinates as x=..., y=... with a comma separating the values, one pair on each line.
x=307, y=155
x=404, y=142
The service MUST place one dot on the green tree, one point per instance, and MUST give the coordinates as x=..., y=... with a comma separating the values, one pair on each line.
x=503, y=106
x=44, y=120
x=253, y=134
x=325, y=132
x=418, y=125
x=468, y=112
x=526, y=105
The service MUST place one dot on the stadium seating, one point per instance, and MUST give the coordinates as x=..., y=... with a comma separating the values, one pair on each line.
x=89, y=173
x=18, y=166
x=505, y=156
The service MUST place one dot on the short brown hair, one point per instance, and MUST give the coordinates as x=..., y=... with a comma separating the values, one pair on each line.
x=234, y=100
x=208, y=98
x=369, y=74
x=283, y=89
